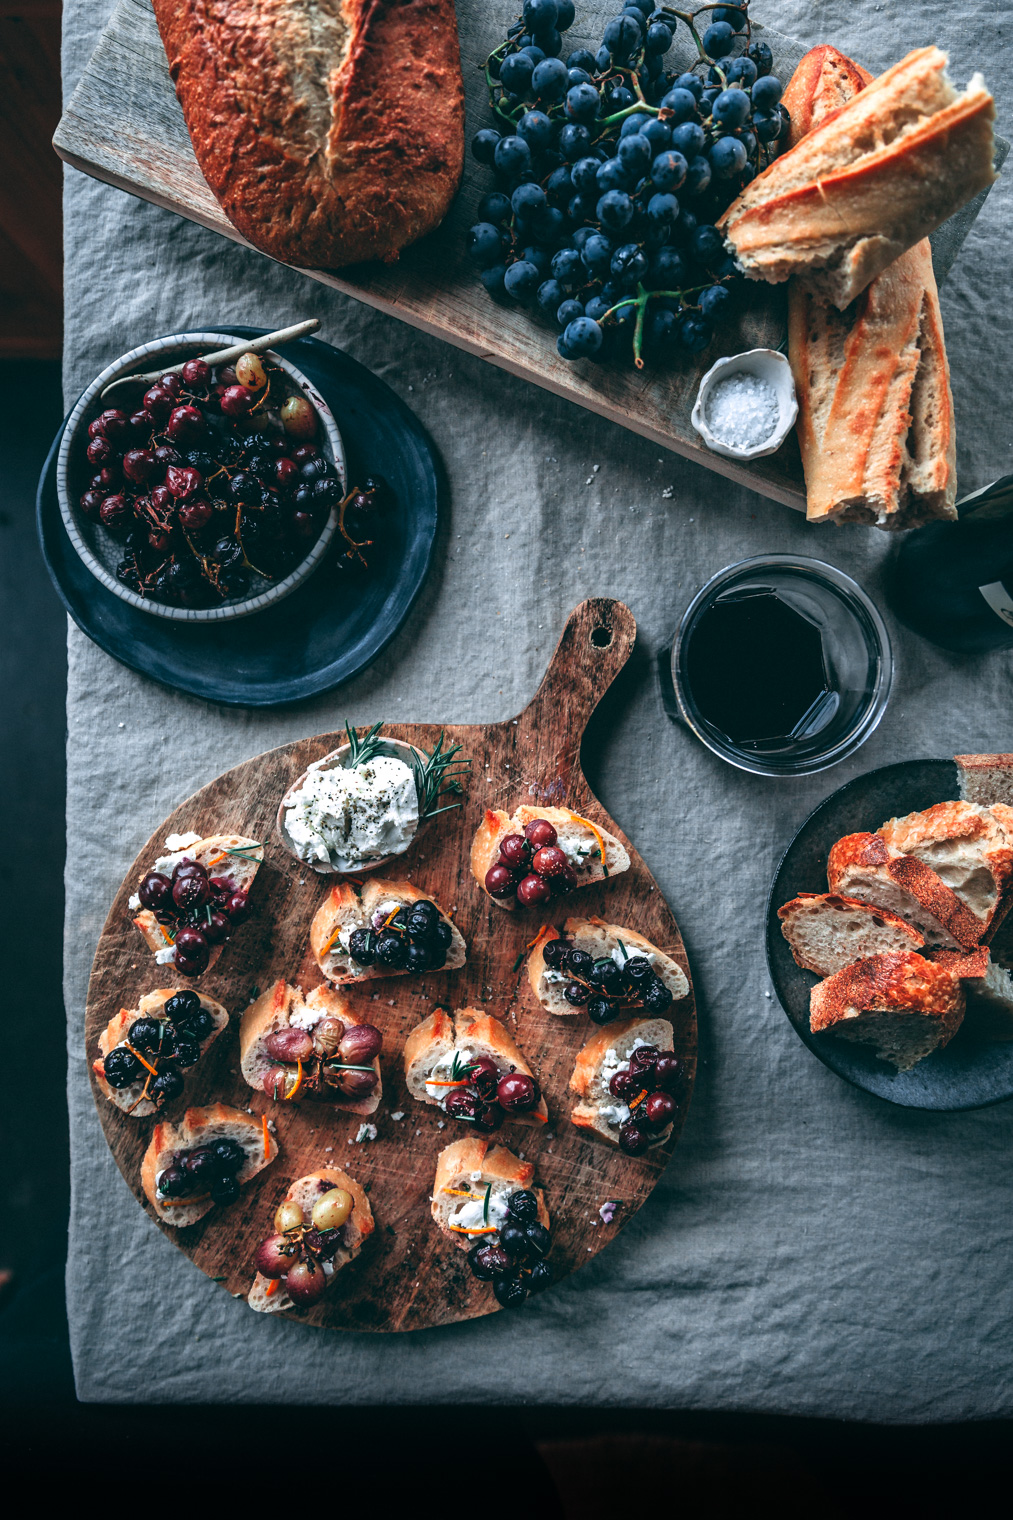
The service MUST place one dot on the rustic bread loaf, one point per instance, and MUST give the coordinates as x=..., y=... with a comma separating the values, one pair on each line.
x=330, y=132
x=875, y=414
x=902, y=1004
x=827, y=932
x=986, y=778
x=988, y=988
x=867, y=867
x=967, y=845
x=873, y=179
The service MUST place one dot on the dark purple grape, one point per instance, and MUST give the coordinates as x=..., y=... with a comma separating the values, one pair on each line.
x=201, y=1165
x=553, y=953
x=185, y=1051
x=146, y=1035
x=576, y=994
x=539, y=1278
x=166, y=1087
x=632, y=1139
x=228, y=1154
x=509, y=1292
x=514, y=1240
x=121, y=1068
x=523, y=1206
x=155, y=891
x=175, y=1182
x=488, y=1262
x=190, y=893
x=538, y=1238
x=225, y=1189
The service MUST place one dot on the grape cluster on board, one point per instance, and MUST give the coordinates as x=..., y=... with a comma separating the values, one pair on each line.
x=611, y=171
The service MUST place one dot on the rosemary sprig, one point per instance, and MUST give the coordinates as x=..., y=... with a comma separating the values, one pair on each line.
x=245, y=851
x=458, y=1069
x=623, y=948
x=361, y=751
x=437, y=775
x=485, y=1206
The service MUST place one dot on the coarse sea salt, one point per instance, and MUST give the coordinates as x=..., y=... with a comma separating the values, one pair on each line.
x=742, y=411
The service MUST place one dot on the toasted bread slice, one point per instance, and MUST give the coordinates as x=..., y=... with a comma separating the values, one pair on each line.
x=214, y=854
x=593, y=852
x=469, y=1033
x=866, y=866
x=464, y=1171
x=969, y=847
x=132, y=1099
x=988, y=988
x=284, y=1006
x=267, y=1295
x=986, y=778
x=606, y=1052
x=902, y=1004
x=201, y=1126
x=599, y=939
x=827, y=932
x=873, y=179
x=343, y=910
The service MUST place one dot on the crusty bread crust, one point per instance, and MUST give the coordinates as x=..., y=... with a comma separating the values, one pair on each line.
x=845, y=924
x=494, y=1163
x=439, y=1035
x=241, y=869
x=496, y=825
x=968, y=846
x=901, y=984
x=273, y=1010
x=989, y=990
x=344, y=906
x=128, y=1098
x=329, y=134
x=865, y=866
x=357, y=1227
x=600, y=939
x=874, y=178
x=199, y=1126
x=586, y=1079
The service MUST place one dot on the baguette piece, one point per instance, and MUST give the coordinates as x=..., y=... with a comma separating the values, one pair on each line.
x=986, y=778
x=357, y=1229
x=873, y=179
x=875, y=423
x=969, y=847
x=430, y=1050
x=988, y=988
x=580, y=840
x=468, y=1167
x=827, y=932
x=284, y=1006
x=867, y=867
x=329, y=133
x=900, y=1003
x=599, y=939
x=606, y=1052
x=343, y=910
x=240, y=869
x=131, y=1099
x=202, y=1126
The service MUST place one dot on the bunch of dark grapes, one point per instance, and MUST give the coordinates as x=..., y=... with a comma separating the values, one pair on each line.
x=611, y=171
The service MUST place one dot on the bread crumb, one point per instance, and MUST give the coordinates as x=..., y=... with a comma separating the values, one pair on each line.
x=398, y=1116
x=272, y=1126
x=328, y=1149
x=366, y=1132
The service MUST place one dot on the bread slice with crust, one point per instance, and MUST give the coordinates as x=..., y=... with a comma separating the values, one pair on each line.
x=468, y=1034
x=213, y=853
x=606, y=1052
x=873, y=179
x=988, y=988
x=201, y=1126
x=583, y=842
x=281, y=1007
x=967, y=845
x=344, y=910
x=865, y=866
x=826, y=932
x=131, y=1099
x=986, y=778
x=464, y=1170
x=599, y=939
x=901, y=1004
x=267, y=1295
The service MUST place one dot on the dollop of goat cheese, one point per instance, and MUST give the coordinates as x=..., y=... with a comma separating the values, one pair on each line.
x=355, y=814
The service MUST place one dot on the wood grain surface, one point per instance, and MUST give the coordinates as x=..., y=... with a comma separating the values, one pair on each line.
x=123, y=125
x=409, y=1275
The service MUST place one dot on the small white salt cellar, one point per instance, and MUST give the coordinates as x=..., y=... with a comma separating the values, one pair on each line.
x=746, y=407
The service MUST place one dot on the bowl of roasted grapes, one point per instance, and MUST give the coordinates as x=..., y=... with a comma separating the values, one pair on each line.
x=207, y=492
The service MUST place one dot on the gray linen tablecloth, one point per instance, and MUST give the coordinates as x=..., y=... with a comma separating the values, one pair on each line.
x=810, y=1249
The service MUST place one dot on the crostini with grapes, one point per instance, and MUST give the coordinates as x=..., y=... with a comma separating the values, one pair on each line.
x=194, y=897
x=145, y=1052
x=483, y=1200
x=204, y=1161
x=604, y=970
x=468, y=1064
x=295, y=1046
x=319, y=1227
x=628, y=1079
x=540, y=853
x=391, y=928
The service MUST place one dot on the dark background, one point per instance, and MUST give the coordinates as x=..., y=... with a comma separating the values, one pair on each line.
x=535, y=1462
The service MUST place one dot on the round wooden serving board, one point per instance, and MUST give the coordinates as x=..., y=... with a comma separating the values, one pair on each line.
x=409, y=1275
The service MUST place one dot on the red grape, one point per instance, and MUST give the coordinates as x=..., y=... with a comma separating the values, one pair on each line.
x=217, y=927
x=196, y=514
x=109, y=478
x=274, y=1256
x=668, y=1070
x=515, y=850
x=483, y=1076
x=138, y=465
x=236, y=907
x=632, y=1139
x=360, y=1043
x=236, y=400
x=171, y=383
x=549, y=861
x=141, y=421
x=196, y=372
x=306, y=1283
x=532, y=890
x=115, y=513
x=541, y=833
x=186, y=424
x=161, y=498
x=154, y=890
x=289, y=1045
x=183, y=481
x=90, y=503
x=286, y=473
x=659, y=1109
x=99, y=450
x=190, y=892
x=305, y=451
x=157, y=402
x=500, y=881
x=517, y=1093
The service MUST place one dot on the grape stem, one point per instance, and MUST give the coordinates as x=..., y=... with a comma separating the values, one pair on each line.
x=640, y=301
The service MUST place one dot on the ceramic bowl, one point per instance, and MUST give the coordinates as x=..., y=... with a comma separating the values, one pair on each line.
x=96, y=547
x=766, y=364
x=397, y=749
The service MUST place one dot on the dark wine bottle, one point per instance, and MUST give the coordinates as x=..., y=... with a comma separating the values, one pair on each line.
x=953, y=582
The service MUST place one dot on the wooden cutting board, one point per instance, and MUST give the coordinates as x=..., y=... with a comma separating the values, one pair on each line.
x=409, y=1275
x=123, y=125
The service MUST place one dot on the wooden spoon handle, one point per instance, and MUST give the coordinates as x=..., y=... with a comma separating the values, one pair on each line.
x=223, y=355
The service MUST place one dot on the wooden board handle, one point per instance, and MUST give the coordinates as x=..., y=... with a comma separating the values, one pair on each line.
x=593, y=648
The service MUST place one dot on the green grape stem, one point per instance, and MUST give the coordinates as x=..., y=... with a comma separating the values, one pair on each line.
x=640, y=301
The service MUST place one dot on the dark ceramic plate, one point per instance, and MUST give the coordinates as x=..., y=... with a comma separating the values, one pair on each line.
x=971, y=1071
x=328, y=630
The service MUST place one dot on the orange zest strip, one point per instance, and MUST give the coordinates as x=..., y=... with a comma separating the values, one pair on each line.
x=223, y=856
x=272, y=1287
x=324, y=951
x=137, y=1053
x=641, y=1095
x=431, y=1082
x=169, y=939
x=267, y=1134
x=459, y=1193
x=486, y=1229
x=288, y=1096
x=545, y=933
x=391, y=916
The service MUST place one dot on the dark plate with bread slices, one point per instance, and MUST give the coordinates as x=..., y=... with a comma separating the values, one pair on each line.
x=332, y=626
x=975, y=1068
